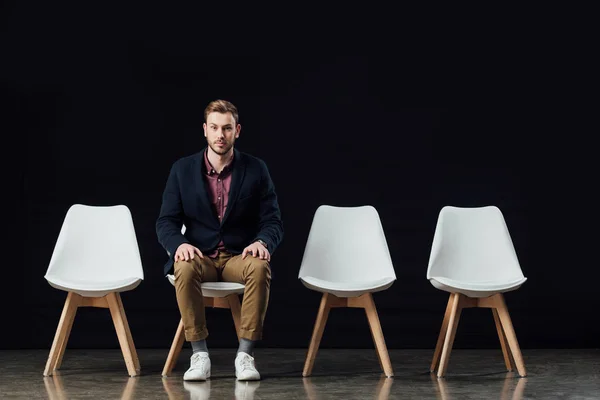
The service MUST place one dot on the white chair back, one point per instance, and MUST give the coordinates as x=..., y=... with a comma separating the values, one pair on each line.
x=346, y=244
x=472, y=244
x=96, y=244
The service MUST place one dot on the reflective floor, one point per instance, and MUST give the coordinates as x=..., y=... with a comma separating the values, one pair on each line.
x=338, y=374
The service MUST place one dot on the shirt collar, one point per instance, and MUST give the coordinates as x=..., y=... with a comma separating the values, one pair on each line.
x=209, y=168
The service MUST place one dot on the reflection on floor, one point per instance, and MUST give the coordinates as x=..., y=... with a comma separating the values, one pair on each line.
x=343, y=374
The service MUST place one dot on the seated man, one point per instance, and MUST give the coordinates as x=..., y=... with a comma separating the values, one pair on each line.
x=227, y=201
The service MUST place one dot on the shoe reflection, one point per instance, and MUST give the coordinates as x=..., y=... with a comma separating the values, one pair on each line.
x=244, y=390
x=198, y=390
x=511, y=379
x=382, y=390
x=55, y=388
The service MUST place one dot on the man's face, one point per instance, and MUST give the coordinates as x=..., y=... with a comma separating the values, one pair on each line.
x=221, y=132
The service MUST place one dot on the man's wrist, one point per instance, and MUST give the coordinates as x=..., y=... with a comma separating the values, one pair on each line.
x=263, y=243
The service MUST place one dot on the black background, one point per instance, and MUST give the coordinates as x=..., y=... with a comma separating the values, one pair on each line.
x=102, y=100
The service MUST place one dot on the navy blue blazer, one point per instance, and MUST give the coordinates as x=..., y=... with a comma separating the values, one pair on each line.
x=252, y=211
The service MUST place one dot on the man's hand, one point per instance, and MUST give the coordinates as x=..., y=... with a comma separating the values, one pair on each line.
x=257, y=250
x=186, y=252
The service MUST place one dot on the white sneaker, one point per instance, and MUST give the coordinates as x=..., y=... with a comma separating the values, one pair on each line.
x=245, y=390
x=199, y=367
x=244, y=367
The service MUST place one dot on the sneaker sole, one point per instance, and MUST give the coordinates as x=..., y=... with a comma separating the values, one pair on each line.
x=196, y=379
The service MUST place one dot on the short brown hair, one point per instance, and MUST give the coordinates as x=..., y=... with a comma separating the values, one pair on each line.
x=221, y=106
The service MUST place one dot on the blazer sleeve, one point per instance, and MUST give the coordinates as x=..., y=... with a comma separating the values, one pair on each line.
x=270, y=228
x=170, y=219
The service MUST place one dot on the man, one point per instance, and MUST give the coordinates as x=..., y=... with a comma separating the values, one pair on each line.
x=227, y=202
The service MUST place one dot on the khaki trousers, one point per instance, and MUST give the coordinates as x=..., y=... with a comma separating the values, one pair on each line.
x=251, y=271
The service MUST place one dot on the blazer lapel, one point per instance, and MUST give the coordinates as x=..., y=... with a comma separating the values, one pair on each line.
x=239, y=170
x=204, y=205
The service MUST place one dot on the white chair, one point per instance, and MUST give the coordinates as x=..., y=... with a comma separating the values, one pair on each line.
x=96, y=257
x=473, y=258
x=216, y=295
x=347, y=259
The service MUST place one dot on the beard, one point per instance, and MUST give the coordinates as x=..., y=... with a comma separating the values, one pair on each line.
x=221, y=150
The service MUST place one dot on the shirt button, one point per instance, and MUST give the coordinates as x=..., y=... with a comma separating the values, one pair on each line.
x=218, y=198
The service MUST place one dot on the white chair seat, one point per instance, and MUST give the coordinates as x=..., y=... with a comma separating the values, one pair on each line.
x=475, y=289
x=347, y=289
x=216, y=289
x=95, y=287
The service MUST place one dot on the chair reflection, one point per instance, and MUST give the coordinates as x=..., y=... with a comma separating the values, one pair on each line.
x=176, y=391
x=382, y=390
x=443, y=393
x=55, y=388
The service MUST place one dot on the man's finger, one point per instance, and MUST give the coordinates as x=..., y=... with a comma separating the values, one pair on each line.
x=244, y=253
x=197, y=251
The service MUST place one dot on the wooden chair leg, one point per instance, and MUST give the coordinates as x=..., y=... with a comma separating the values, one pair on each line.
x=505, y=349
x=450, y=333
x=511, y=337
x=62, y=333
x=175, y=350
x=440, y=342
x=377, y=333
x=378, y=358
x=236, y=312
x=317, y=334
x=123, y=333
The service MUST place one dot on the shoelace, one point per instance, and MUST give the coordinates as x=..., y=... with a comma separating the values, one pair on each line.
x=198, y=361
x=246, y=363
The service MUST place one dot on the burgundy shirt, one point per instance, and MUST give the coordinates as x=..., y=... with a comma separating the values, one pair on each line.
x=218, y=191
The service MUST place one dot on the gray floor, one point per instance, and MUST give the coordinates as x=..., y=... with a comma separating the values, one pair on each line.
x=338, y=374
